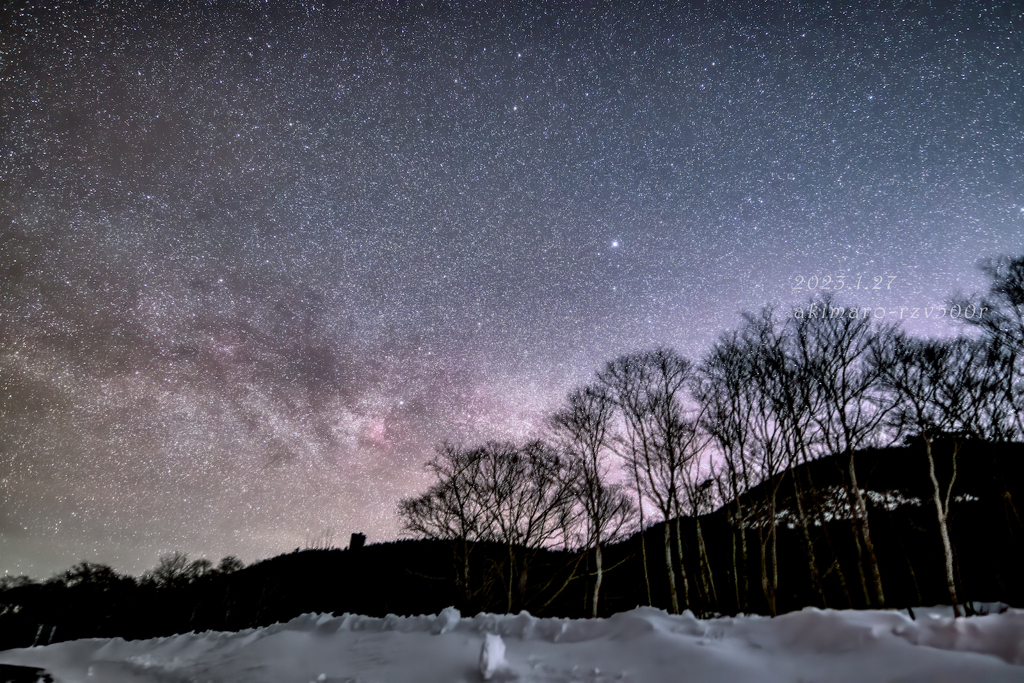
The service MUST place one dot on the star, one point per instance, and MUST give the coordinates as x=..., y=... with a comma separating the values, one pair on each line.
x=230, y=238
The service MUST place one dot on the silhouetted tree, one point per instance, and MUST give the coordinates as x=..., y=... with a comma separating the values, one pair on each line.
x=529, y=502
x=92, y=574
x=649, y=389
x=172, y=570
x=999, y=313
x=848, y=407
x=520, y=497
x=724, y=391
x=762, y=347
x=583, y=431
x=452, y=509
x=229, y=565
x=940, y=393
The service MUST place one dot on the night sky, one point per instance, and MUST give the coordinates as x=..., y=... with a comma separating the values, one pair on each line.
x=257, y=259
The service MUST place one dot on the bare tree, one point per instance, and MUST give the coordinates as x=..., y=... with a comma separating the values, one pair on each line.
x=789, y=389
x=632, y=439
x=175, y=570
x=941, y=393
x=452, y=509
x=583, y=429
x=520, y=497
x=322, y=540
x=724, y=392
x=1000, y=315
x=229, y=565
x=529, y=503
x=699, y=492
x=849, y=408
x=649, y=389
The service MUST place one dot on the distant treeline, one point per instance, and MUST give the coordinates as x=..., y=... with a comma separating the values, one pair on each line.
x=818, y=460
x=417, y=576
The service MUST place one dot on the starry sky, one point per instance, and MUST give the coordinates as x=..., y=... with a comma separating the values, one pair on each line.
x=257, y=259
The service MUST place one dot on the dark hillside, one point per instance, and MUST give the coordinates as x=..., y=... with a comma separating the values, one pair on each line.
x=419, y=576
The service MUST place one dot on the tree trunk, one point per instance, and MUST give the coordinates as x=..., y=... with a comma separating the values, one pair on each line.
x=820, y=514
x=775, y=566
x=511, y=572
x=769, y=573
x=523, y=578
x=643, y=557
x=707, y=578
x=941, y=514
x=598, y=579
x=855, y=533
x=673, y=595
x=682, y=565
x=812, y=564
x=744, y=564
x=643, y=536
x=766, y=585
x=735, y=574
x=586, y=594
x=462, y=570
x=774, y=539
x=864, y=527
x=910, y=569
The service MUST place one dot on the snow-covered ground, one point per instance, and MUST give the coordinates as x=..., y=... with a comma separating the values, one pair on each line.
x=644, y=644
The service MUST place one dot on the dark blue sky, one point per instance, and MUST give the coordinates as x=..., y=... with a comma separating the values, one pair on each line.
x=257, y=260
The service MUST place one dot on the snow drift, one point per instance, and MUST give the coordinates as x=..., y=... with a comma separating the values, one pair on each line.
x=644, y=644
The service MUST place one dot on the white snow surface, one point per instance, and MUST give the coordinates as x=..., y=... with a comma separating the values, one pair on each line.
x=644, y=644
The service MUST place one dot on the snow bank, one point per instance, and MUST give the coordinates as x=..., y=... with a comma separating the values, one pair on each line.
x=644, y=644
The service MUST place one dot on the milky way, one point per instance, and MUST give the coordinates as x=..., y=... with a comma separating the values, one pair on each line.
x=259, y=259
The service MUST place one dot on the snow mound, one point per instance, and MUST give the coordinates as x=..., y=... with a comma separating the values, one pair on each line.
x=492, y=656
x=644, y=644
x=445, y=621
